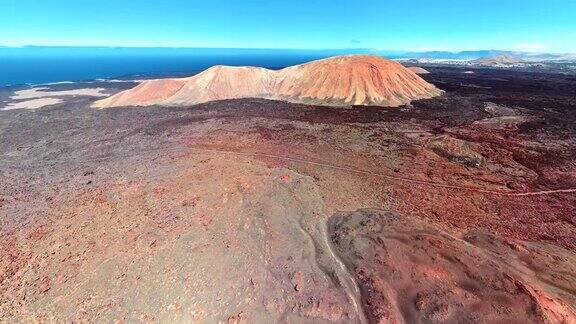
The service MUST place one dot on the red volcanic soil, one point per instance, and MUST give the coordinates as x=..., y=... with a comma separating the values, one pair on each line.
x=341, y=80
x=355, y=80
x=418, y=70
x=460, y=208
x=411, y=271
x=147, y=92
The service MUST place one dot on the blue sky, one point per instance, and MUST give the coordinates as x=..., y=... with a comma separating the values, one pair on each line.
x=304, y=24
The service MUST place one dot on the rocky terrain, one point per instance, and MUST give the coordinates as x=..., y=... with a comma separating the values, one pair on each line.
x=335, y=81
x=459, y=208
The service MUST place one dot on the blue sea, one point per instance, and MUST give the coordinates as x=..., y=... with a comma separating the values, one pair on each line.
x=40, y=65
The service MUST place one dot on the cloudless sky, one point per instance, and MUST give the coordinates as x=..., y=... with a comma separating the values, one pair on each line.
x=534, y=25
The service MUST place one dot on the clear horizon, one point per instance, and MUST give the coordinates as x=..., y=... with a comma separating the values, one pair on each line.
x=393, y=25
x=363, y=50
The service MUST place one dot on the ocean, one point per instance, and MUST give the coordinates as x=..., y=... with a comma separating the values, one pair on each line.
x=40, y=65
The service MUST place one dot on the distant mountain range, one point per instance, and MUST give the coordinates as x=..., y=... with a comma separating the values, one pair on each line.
x=497, y=60
x=481, y=54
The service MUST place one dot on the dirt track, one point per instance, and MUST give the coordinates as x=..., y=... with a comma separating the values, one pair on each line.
x=394, y=178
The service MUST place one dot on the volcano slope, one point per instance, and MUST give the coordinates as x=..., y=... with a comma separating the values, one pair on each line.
x=254, y=210
x=335, y=81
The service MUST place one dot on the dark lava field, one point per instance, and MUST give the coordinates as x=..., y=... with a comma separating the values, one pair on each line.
x=457, y=209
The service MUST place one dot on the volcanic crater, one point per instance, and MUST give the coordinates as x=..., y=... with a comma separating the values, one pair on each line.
x=335, y=81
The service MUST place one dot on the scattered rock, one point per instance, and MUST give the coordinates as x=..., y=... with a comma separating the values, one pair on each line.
x=456, y=150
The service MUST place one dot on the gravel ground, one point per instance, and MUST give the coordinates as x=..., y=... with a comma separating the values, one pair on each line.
x=263, y=211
